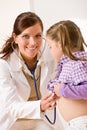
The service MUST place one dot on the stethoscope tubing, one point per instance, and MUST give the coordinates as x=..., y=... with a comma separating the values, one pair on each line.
x=35, y=84
x=37, y=95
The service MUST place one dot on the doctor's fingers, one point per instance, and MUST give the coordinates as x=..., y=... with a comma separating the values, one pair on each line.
x=52, y=106
x=49, y=99
x=48, y=103
x=48, y=96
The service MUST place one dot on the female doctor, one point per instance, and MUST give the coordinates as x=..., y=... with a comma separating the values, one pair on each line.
x=24, y=74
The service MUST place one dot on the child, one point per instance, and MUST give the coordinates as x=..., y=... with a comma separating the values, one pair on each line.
x=66, y=44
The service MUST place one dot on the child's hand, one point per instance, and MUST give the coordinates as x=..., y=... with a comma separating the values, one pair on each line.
x=56, y=88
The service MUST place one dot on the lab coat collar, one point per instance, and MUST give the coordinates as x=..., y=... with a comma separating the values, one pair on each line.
x=16, y=62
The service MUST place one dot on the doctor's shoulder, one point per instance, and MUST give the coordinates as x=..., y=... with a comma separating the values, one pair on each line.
x=4, y=67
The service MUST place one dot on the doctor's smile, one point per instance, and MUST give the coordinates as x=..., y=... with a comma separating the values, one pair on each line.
x=24, y=74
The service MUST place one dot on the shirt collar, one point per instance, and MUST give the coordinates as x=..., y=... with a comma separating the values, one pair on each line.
x=81, y=54
x=24, y=67
x=65, y=59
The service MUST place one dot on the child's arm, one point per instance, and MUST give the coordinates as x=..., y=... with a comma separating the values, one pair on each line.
x=75, y=81
x=75, y=88
x=56, y=89
x=74, y=91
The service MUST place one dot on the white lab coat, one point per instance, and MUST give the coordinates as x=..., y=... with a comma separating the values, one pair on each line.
x=15, y=90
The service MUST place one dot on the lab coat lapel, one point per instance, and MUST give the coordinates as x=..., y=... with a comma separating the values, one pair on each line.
x=14, y=60
x=44, y=73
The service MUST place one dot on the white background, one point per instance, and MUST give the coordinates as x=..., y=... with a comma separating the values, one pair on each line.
x=50, y=12
x=9, y=9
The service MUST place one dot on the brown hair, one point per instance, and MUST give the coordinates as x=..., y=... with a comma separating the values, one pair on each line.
x=23, y=21
x=69, y=35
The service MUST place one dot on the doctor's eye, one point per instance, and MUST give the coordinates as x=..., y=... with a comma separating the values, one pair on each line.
x=38, y=36
x=25, y=36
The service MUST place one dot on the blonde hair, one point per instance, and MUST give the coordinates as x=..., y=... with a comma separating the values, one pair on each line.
x=69, y=35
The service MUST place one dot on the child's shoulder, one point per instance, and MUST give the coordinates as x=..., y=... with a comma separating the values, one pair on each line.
x=70, y=63
x=76, y=64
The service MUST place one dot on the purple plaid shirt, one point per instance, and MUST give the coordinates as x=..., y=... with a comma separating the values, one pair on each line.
x=74, y=76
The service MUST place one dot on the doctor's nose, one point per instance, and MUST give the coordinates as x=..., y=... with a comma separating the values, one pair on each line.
x=32, y=40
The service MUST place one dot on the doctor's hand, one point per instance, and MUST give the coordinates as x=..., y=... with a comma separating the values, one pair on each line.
x=48, y=102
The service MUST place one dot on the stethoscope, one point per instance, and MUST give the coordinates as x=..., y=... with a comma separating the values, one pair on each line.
x=35, y=84
x=36, y=90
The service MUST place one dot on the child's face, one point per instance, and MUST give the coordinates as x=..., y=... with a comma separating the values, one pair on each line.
x=55, y=48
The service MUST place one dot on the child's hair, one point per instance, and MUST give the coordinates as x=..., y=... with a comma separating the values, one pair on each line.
x=70, y=37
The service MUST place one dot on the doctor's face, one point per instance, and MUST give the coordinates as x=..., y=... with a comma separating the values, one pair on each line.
x=29, y=41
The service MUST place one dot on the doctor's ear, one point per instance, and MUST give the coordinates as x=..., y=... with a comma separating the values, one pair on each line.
x=15, y=37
